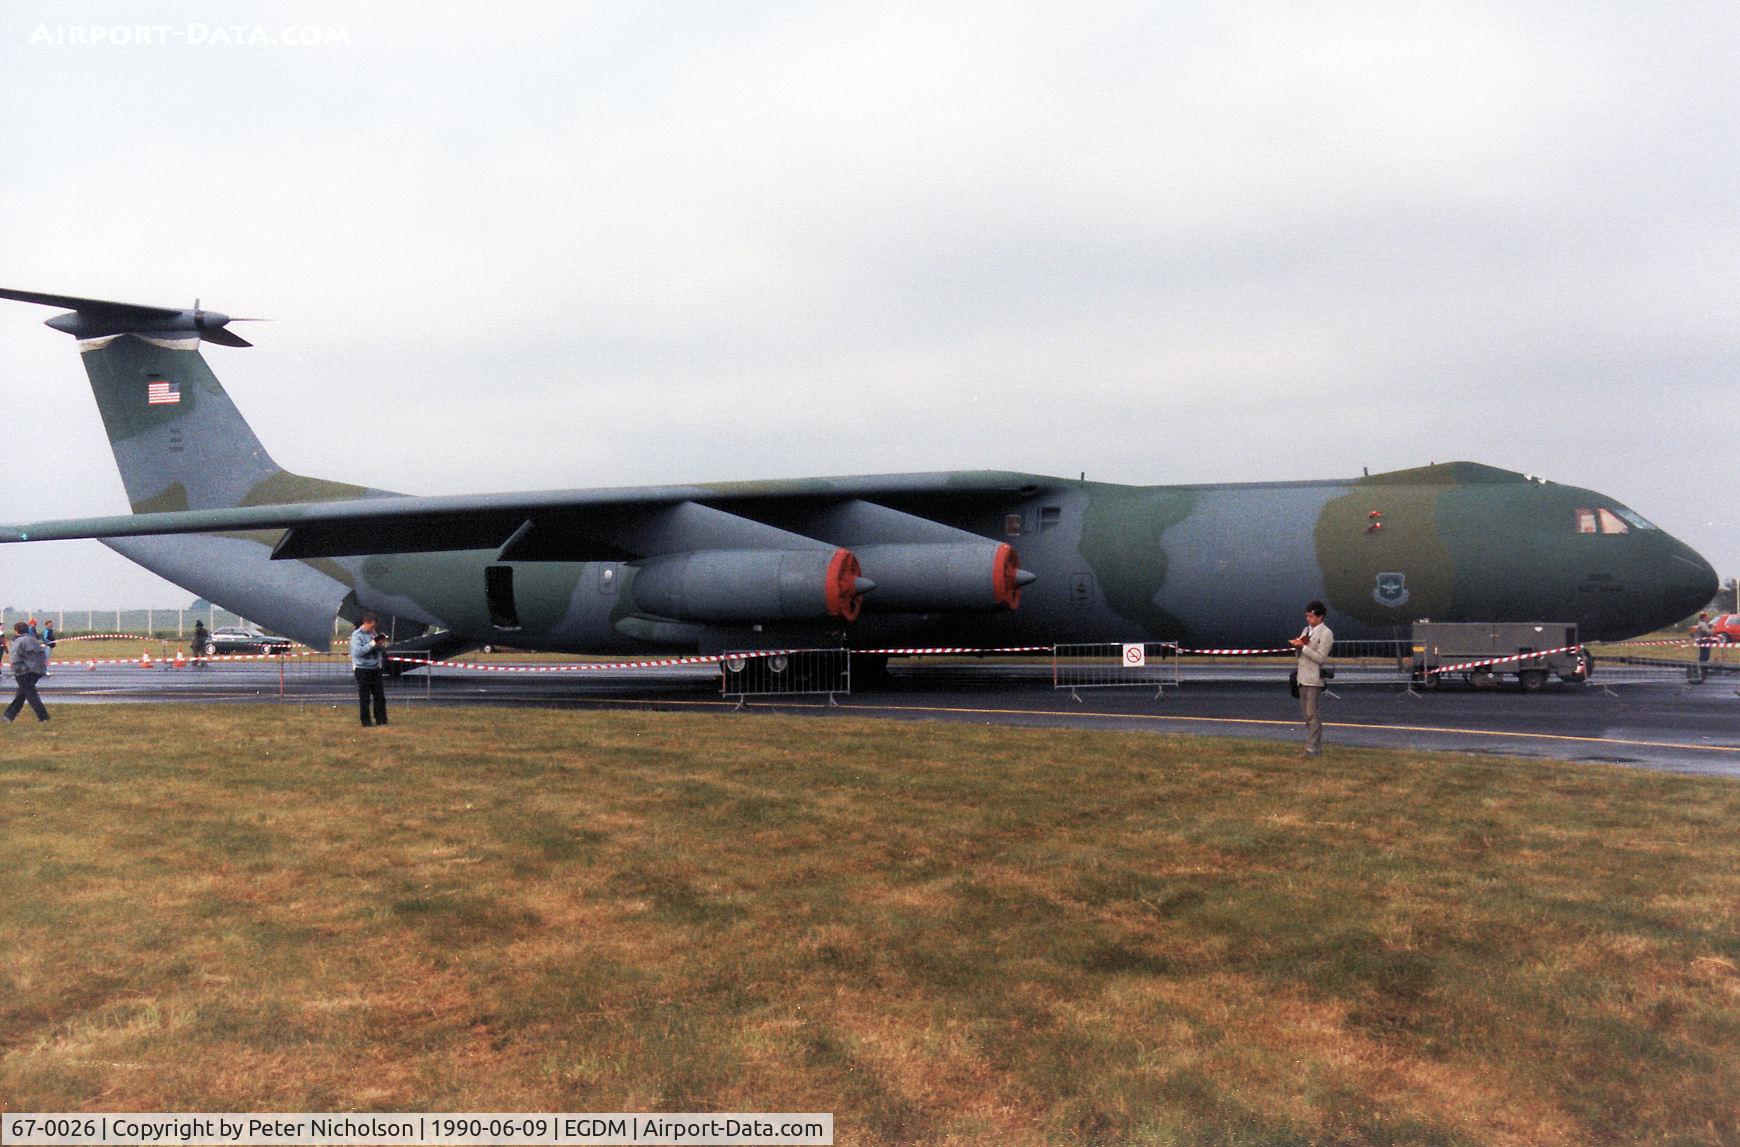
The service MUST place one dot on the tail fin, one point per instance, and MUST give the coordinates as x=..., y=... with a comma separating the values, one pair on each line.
x=179, y=441
x=181, y=444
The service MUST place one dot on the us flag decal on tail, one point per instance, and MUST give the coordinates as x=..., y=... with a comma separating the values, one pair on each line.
x=160, y=393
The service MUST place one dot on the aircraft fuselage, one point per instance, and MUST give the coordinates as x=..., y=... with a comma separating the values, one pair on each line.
x=1223, y=565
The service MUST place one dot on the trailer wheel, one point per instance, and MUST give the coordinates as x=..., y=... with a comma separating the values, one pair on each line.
x=1532, y=680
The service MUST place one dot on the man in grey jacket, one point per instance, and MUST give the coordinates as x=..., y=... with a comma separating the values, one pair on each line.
x=366, y=648
x=1313, y=645
x=29, y=665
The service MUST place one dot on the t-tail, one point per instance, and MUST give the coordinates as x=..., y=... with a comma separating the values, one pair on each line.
x=181, y=444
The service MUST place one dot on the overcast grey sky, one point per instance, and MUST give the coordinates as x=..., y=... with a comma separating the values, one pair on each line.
x=591, y=244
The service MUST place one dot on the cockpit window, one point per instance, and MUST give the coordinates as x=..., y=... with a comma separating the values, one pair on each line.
x=1602, y=520
x=1635, y=519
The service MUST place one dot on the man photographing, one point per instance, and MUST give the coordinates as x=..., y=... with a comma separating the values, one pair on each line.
x=1313, y=645
x=367, y=648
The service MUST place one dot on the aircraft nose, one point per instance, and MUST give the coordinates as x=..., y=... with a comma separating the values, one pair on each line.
x=1688, y=581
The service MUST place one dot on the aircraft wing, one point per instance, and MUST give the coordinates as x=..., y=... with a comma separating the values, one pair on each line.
x=589, y=524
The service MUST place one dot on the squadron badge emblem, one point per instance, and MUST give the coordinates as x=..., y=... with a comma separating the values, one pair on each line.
x=1392, y=590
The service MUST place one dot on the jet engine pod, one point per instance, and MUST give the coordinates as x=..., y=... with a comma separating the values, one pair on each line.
x=751, y=585
x=964, y=577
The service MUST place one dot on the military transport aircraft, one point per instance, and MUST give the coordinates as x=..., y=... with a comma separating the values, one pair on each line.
x=976, y=558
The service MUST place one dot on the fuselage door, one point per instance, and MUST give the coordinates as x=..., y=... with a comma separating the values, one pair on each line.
x=498, y=588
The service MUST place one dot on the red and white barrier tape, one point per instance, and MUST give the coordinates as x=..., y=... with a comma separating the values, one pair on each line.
x=593, y=666
x=181, y=659
x=117, y=637
x=1713, y=643
x=951, y=649
x=1504, y=660
x=701, y=659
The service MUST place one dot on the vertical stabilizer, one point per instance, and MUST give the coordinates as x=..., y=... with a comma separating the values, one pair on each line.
x=181, y=444
x=179, y=441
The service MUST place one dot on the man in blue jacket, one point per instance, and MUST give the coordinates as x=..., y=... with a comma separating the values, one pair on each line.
x=366, y=652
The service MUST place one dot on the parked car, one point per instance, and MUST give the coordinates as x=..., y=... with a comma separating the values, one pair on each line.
x=1726, y=627
x=239, y=639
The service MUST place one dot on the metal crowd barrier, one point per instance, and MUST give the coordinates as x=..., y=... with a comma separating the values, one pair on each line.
x=1377, y=662
x=785, y=673
x=1114, y=664
x=1664, y=663
x=332, y=670
x=1092, y=665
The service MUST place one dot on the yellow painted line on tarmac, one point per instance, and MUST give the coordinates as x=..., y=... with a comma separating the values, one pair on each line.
x=1162, y=717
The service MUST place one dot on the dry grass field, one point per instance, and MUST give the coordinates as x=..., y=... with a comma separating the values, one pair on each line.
x=943, y=934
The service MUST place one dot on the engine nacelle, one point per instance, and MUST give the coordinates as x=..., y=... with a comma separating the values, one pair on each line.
x=965, y=577
x=751, y=585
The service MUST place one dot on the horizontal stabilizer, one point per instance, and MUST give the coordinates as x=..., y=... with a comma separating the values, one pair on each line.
x=101, y=318
x=91, y=306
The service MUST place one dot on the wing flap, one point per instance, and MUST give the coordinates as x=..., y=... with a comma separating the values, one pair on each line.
x=401, y=534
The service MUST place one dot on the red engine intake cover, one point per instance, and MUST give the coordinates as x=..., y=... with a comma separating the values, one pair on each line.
x=844, y=600
x=1006, y=565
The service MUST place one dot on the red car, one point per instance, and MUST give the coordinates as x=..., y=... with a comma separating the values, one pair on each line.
x=1726, y=627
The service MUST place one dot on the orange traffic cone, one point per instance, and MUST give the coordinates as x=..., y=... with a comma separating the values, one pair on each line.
x=91, y=665
x=180, y=661
x=145, y=660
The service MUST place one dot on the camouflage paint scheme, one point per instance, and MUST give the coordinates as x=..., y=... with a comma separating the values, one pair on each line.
x=1208, y=565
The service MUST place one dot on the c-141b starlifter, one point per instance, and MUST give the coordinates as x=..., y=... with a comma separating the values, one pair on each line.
x=957, y=558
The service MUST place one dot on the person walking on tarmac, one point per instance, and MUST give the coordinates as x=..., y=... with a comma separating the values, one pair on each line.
x=201, y=641
x=29, y=664
x=1313, y=645
x=366, y=650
